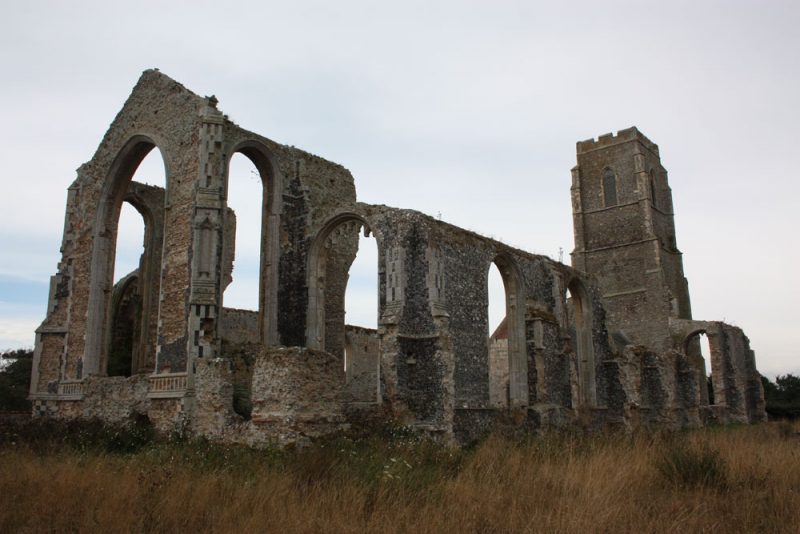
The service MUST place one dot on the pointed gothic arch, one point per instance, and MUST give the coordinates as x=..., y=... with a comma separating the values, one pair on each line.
x=114, y=191
x=320, y=304
x=271, y=186
x=518, y=394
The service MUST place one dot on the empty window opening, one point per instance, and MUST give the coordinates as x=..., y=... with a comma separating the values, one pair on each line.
x=344, y=304
x=361, y=296
x=698, y=344
x=245, y=196
x=705, y=350
x=609, y=188
x=580, y=324
x=129, y=338
x=130, y=242
x=498, y=339
x=361, y=352
x=505, y=320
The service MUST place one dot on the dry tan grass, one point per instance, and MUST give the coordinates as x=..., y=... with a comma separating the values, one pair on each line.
x=551, y=484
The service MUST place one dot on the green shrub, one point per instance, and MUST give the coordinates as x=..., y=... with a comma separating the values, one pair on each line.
x=15, y=380
x=782, y=397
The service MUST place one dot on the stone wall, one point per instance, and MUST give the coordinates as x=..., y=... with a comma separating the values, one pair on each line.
x=604, y=343
x=239, y=326
x=498, y=372
x=297, y=394
x=362, y=364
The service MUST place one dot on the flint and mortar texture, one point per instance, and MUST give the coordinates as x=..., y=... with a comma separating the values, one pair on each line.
x=609, y=342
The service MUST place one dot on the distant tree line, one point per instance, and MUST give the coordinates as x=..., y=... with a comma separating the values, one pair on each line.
x=782, y=396
x=15, y=379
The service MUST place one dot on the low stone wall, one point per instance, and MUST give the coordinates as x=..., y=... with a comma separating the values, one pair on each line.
x=362, y=364
x=110, y=399
x=239, y=326
x=296, y=394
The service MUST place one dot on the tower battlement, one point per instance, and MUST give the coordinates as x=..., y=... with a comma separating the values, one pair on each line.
x=622, y=136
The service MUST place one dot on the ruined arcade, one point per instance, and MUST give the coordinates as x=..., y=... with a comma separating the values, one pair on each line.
x=609, y=341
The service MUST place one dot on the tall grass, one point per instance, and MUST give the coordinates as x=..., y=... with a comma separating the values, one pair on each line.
x=743, y=479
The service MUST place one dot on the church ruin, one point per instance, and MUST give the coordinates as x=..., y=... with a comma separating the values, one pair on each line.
x=608, y=342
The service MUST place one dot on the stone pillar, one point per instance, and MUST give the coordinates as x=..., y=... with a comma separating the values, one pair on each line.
x=207, y=238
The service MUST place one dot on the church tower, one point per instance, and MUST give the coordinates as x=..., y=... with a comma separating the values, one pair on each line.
x=625, y=235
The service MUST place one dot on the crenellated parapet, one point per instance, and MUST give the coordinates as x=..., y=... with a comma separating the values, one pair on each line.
x=622, y=136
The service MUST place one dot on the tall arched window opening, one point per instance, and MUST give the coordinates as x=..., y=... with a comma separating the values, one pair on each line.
x=131, y=331
x=580, y=320
x=498, y=339
x=126, y=299
x=361, y=317
x=343, y=303
x=250, y=247
x=508, y=364
x=242, y=264
x=699, y=346
x=609, y=188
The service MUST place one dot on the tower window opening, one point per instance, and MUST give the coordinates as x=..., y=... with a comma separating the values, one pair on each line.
x=609, y=188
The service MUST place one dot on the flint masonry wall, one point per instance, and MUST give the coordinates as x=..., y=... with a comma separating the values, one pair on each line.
x=434, y=340
x=72, y=339
x=195, y=141
x=428, y=362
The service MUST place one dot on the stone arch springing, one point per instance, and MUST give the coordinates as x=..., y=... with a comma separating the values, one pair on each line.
x=269, y=255
x=609, y=187
x=514, y=332
x=115, y=190
x=581, y=318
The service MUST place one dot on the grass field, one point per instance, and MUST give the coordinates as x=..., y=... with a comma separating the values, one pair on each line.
x=736, y=479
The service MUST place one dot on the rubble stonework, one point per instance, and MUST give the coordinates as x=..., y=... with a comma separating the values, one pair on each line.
x=608, y=342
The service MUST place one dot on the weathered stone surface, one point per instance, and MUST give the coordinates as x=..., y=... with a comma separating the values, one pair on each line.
x=362, y=365
x=298, y=392
x=239, y=326
x=608, y=342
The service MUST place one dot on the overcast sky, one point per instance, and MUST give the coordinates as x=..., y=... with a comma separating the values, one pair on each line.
x=468, y=110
